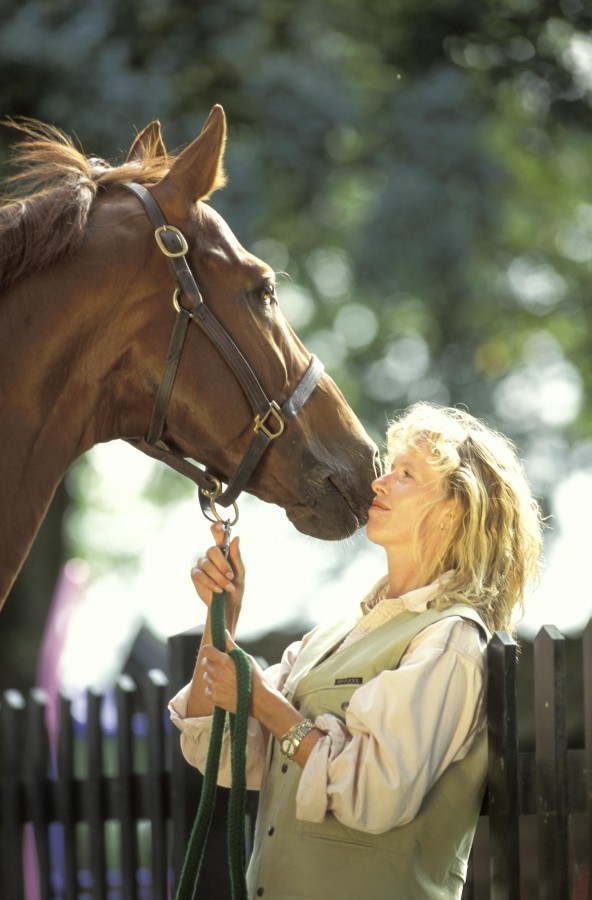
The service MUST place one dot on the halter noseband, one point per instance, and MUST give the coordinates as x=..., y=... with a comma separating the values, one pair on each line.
x=270, y=418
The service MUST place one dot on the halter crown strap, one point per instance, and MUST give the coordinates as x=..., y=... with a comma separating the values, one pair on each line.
x=270, y=418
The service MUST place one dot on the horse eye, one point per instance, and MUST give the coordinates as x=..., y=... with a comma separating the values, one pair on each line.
x=268, y=294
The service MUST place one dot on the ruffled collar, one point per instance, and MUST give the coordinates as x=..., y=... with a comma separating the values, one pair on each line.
x=416, y=600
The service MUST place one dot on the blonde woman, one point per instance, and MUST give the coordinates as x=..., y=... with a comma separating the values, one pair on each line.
x=368, y=740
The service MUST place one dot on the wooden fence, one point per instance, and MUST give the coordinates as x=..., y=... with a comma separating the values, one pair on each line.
x=105, y=813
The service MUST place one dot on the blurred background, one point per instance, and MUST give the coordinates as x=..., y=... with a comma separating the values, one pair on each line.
x=423, y=174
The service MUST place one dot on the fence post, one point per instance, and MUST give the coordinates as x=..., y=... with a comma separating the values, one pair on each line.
x=66, y=804
x=503, y=796
x=156, y=706
x=94, y=794
x=12, y=731
x=125, y=697
x=36, y=781
x=551, y=763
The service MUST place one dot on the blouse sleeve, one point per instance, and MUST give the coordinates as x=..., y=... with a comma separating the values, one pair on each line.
x=402, y=730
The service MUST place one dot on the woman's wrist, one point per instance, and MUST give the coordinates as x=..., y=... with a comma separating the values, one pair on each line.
x=275, y=713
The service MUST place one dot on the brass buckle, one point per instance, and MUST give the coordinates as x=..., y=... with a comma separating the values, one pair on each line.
x=260, y=421
x=161, y=244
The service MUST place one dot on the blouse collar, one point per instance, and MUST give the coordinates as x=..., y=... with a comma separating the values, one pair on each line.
x=416, y=600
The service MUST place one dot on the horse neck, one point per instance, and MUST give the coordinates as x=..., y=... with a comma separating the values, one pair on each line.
x=49, y=397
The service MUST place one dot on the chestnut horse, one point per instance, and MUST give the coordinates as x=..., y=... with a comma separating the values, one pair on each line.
x=85, y=320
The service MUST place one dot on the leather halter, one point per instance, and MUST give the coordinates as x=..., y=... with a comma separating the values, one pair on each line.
x=270, y=418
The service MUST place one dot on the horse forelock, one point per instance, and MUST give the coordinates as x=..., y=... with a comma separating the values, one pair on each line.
x=45, y=210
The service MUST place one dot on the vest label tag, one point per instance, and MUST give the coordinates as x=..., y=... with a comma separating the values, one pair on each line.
x=349, y=681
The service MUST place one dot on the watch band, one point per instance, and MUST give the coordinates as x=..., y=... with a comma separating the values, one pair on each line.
x=293, y=737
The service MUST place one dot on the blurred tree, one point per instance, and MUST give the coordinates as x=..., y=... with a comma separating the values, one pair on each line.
x=420, y=171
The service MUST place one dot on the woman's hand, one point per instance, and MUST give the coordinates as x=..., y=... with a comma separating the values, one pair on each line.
x=214, y=573
x=219, y=676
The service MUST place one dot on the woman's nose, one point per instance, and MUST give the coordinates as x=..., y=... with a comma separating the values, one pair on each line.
x=378, y=485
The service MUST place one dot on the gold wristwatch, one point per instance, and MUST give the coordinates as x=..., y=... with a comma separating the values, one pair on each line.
x=293, y=737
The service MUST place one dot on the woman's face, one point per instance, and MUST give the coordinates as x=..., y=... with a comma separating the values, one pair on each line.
x=402, y=497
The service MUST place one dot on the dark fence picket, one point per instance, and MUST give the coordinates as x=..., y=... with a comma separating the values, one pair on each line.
x=503, y=796
x=551, y=763
x=12, y=721
x=126, y=699
x=156, y=706
x=95, y=796
x=66, y=798
x=37, y=769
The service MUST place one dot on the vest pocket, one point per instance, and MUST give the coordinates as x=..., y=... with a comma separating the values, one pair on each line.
x=348, y=864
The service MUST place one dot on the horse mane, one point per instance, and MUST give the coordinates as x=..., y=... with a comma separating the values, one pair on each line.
x=44, y=214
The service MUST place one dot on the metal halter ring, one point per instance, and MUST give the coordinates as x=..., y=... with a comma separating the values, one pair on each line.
x=177, y=306
x=215, y=515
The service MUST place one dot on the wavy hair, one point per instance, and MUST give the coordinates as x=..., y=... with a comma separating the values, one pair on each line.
x=493, y=547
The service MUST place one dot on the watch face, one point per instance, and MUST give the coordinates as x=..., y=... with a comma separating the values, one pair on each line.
x=287, y=747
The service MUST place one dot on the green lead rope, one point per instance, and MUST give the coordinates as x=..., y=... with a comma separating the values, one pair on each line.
x=187, y=888
x=238, y=791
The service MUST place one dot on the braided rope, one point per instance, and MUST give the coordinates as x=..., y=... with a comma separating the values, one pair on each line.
x=238, y=793
x=187, y=886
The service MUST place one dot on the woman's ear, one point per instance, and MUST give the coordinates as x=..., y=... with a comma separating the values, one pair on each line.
x=450, y=512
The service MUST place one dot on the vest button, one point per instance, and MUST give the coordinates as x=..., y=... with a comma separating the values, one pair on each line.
x=296, y=704
x=270, y=830
x=285, y=768
x=260, y=891
x=345, y=705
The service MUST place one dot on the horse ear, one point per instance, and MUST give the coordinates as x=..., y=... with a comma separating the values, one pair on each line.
x=148, y=144
x=198, y=171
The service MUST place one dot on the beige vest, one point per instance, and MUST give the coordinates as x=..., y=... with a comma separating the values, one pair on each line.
x=427, y=858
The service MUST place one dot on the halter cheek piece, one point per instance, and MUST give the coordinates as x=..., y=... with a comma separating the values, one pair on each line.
x=270, y=417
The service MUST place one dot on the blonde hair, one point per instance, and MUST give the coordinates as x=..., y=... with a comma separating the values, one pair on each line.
x=493, y=547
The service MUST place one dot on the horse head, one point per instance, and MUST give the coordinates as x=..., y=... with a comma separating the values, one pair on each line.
x=91, y=310
x=320, y=468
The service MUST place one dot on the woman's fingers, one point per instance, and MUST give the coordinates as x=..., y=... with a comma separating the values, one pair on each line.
x=214, y=573
x=207, y=576
x=219, y=675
